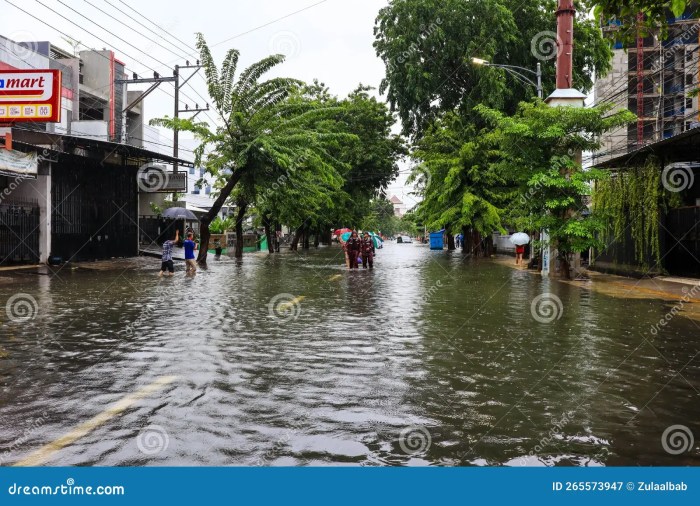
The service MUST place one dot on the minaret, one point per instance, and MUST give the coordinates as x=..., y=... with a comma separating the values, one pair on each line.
x=565, y=94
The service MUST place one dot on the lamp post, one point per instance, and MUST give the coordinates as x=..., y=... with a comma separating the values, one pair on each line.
x=517, y=72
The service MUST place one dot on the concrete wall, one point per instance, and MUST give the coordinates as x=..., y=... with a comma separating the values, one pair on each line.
x=91, y=129
x=96, y=73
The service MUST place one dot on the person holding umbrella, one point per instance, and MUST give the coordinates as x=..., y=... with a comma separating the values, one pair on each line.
x=520, y=239
x=353, y=246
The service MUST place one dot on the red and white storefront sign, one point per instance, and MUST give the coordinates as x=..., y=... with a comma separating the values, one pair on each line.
x=30, y=95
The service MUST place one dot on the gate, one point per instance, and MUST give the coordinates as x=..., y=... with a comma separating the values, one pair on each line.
x=682, y=257
x=19, y=232
x=94, y=211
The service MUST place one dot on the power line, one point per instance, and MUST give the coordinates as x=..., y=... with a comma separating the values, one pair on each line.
x=178, y=55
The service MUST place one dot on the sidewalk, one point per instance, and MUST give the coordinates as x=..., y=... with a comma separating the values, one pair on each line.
x=667, y=288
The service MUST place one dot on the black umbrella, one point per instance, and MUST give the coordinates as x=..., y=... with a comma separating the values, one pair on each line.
x=179, y=213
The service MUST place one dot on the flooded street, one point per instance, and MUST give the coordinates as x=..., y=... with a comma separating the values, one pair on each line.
x=290, y=359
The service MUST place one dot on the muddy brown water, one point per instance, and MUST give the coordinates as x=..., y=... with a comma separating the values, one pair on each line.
x=429, y=359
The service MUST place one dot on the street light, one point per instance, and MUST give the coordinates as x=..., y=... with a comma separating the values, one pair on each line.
x=517, y=73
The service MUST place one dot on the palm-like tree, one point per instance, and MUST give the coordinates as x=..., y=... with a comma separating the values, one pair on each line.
x=263, y=126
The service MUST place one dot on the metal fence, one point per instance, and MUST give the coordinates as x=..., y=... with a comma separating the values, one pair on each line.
x=19, y=232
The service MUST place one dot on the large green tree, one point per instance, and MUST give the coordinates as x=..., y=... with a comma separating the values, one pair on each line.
x=427, y=46
x=539, y=145
x=464, y=189
x=261, y=127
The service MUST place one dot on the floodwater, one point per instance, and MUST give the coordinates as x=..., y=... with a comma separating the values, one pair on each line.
x=429, y=359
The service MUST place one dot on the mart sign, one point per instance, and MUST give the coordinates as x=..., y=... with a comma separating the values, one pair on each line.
x=30, y=95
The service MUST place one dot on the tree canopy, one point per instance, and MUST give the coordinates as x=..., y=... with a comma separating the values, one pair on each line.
x=427, y=47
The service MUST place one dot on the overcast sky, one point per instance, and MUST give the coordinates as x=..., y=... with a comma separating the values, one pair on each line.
x=330, y=40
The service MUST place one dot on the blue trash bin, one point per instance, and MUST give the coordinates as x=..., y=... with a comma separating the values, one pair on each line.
x=436, y=241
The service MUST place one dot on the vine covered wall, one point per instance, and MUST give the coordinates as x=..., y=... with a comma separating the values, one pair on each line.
x=635, y=198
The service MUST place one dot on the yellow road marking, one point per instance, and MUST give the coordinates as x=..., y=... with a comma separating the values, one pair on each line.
x=45, y=452
x=291, y=303
x=335, y=276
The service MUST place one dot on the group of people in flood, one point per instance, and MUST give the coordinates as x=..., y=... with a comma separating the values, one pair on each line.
x=189, y=246
x=359, y=250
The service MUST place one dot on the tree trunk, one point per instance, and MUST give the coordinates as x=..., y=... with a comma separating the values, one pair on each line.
x=468, y=241
x=305, y=244
x=268, y=232
x=488, y=246
x=317, y=238
x=565, y=267
x=240, y=215
x=450, y=242
x=278, y=228
x=295, y=241
x=204, y=222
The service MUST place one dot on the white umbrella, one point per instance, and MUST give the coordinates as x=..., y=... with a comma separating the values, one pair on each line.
x=520, y=238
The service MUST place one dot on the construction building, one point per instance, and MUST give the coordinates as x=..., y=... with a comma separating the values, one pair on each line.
x=652, y=77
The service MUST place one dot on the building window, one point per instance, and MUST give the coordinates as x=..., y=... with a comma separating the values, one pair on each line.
x=195, y=191
x=687, y=125
x=201, y=172
x=689, y=79
x=191, y=171
x=207, y=190
x=688, y=103
x=689, y=56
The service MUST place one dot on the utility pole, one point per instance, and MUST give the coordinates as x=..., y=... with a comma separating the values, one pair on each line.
x=156, y=81
x=196, y=110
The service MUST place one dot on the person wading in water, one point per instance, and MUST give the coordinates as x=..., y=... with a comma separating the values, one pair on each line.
x=354, y=248
x=367, y=251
